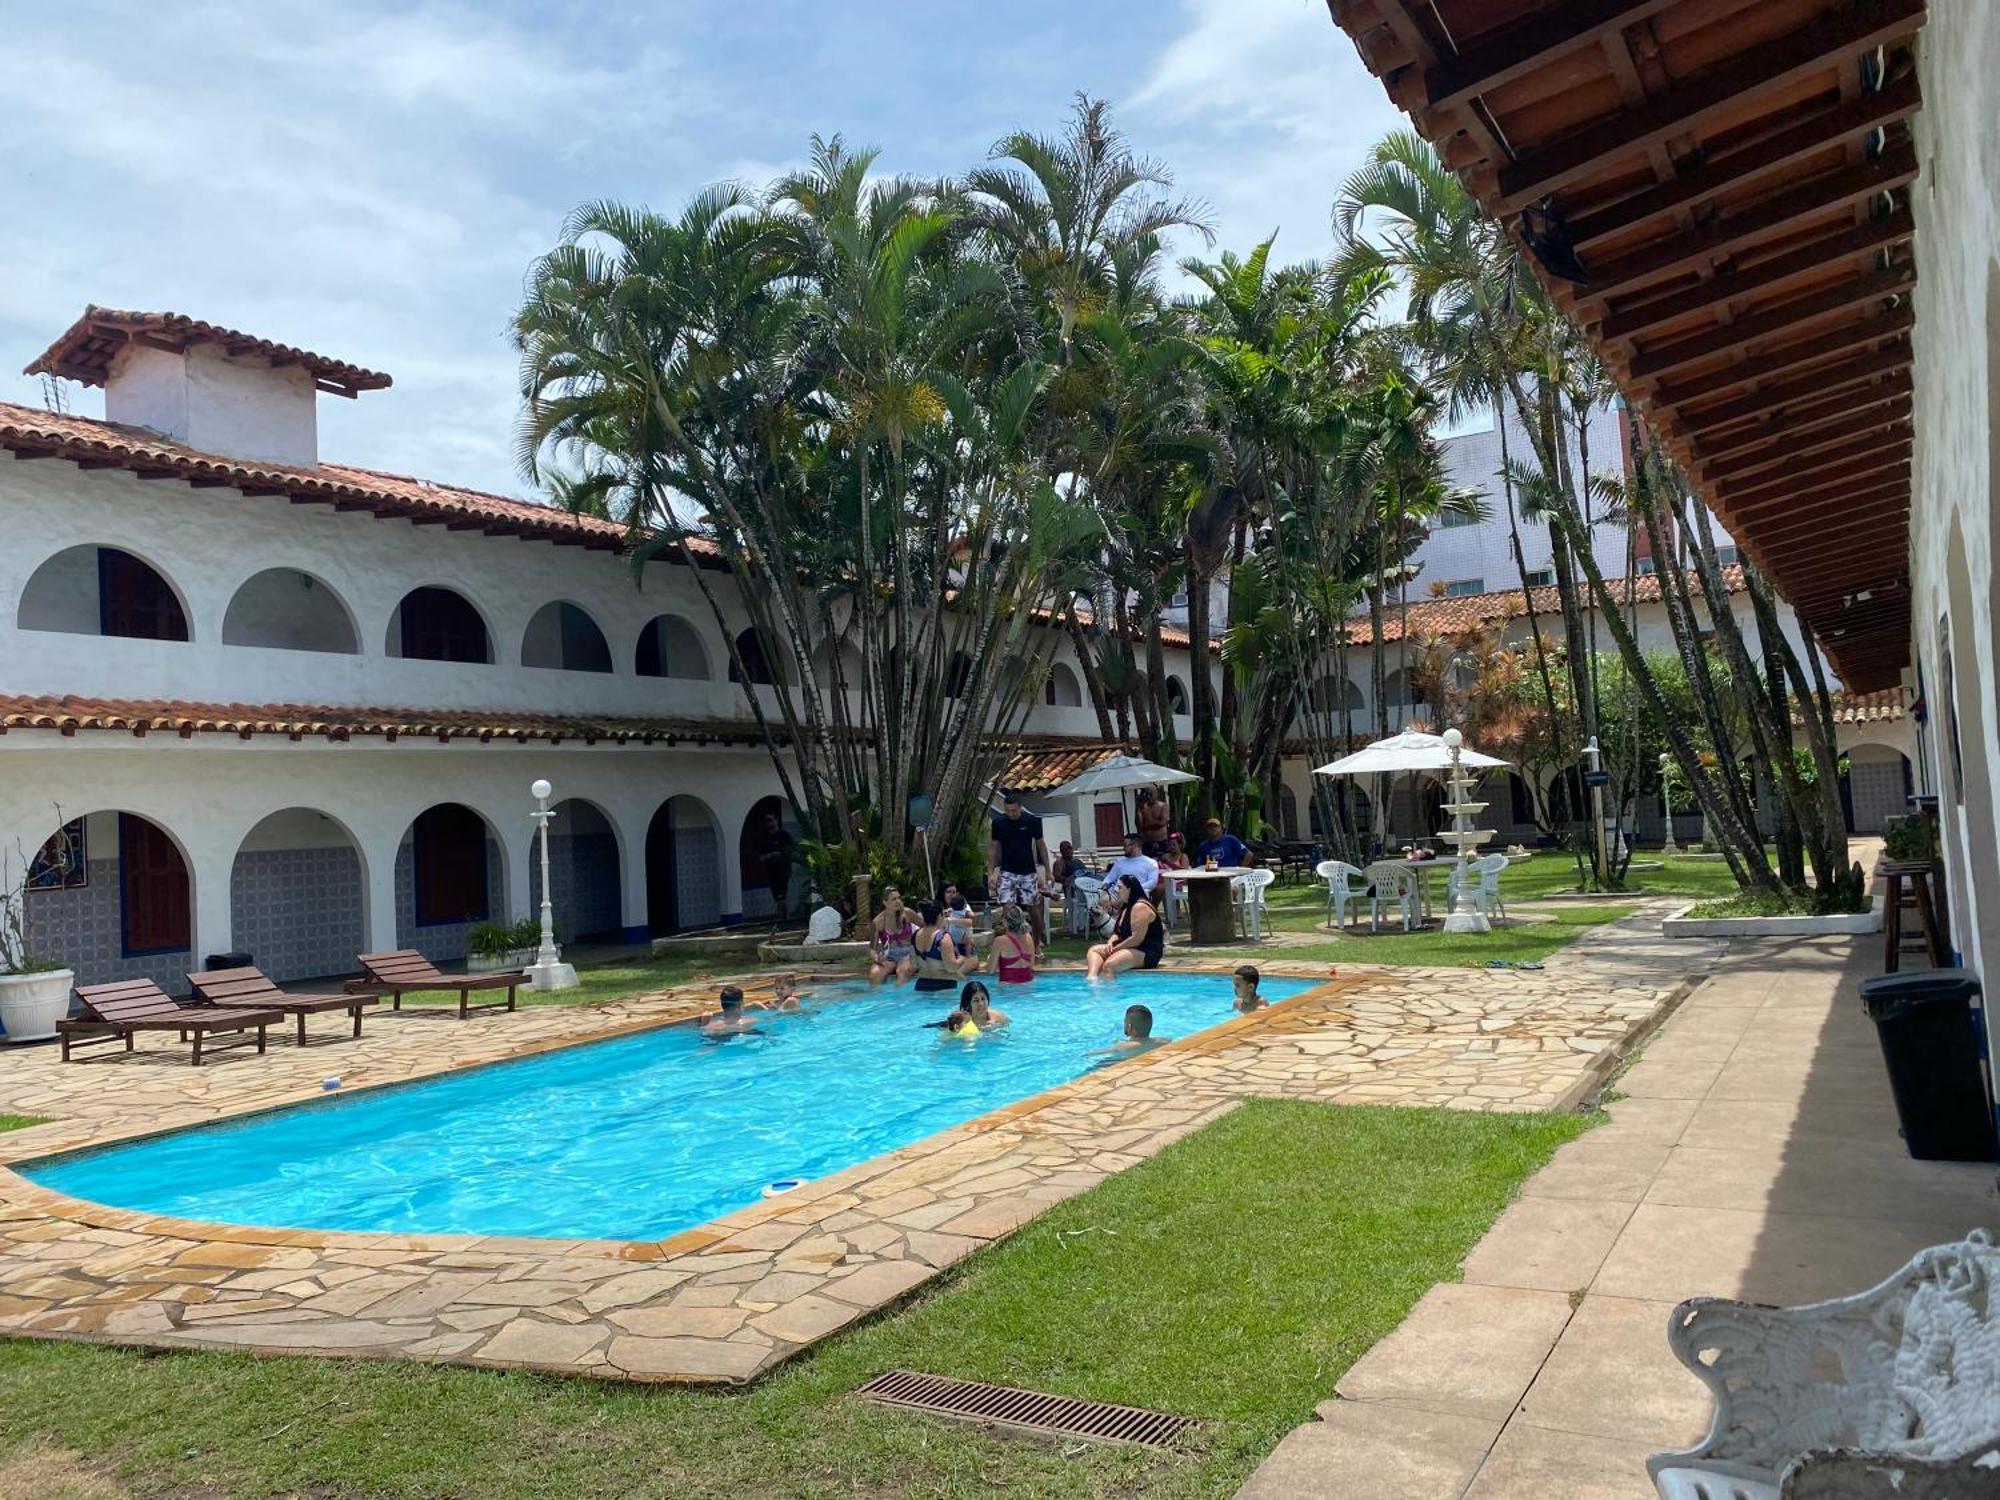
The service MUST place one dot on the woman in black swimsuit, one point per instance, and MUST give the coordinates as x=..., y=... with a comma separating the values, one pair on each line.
x=1138, y=939
x=935, y=955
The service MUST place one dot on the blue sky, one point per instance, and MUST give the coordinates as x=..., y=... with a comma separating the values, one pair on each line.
x=371, y=180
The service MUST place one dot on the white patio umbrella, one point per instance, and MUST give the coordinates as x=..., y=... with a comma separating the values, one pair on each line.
x=1120, y=774
x=1401, y=753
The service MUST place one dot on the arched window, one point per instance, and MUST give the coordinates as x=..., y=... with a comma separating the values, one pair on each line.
x=438, y=624
x=1062, y=689
x=670, y=647
x=1177, y=696
x=563, y=635
x=102, y=591
x=288, y=610
x=755, y=663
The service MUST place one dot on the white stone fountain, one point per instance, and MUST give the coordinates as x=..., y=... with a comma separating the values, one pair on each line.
x=1465, y=915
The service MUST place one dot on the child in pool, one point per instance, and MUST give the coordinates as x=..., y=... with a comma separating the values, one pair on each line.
x=784, y=994
x=1014, y=951
x=730, y=1020
x=1138, y=1036
x=1245, y=980
x=960, y=1027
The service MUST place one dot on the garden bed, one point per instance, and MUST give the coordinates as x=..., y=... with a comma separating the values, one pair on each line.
x=1771, y=923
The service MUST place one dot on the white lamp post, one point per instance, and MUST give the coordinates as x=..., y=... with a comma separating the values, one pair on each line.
x=548, y=972
x=1465, y=915
x=1594, y=756
x=1667, y=805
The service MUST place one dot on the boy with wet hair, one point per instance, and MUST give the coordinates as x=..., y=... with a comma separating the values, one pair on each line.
x=730, y=1020
x=1246, y=979
x=1138, y=1036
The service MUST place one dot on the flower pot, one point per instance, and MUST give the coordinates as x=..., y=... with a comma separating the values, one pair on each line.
x=494, y=963
x=31, y=1004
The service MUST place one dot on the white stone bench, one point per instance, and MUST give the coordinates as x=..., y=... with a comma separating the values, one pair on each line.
x=1893, y=1392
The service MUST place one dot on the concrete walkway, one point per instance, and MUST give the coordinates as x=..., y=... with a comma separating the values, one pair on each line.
x=1754, y=1154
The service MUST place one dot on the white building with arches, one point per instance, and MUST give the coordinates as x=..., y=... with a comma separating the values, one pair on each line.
x=291, y=707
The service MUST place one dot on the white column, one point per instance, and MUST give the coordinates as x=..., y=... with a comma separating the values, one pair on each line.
x=210, y=863
x=378, y=859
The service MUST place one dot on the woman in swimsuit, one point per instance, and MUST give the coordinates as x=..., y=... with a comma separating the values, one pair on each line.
x=893, y=931
x=1138, y=939
x=936, y=958
x=976, y=1003
x=1014, y=950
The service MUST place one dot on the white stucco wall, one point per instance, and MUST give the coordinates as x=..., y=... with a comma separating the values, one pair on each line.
x=245, y=408
x=1957, y=428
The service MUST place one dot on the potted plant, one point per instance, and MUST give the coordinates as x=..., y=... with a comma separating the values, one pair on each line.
x=34, y=991
x=493, y=946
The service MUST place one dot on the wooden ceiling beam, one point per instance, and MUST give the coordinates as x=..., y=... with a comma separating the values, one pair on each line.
x=1775, y=151
x=1727, y=286
x=1507, y=55
x=1867, y=519
x=1791, y=448
x=1816, y=385
x=1847, y=339
x=1833, y=579
x=1696, y=247
x=1876, y=454
x=1873, y=286
x=1832, y=37
x=1806, y=417
x=1862, y=478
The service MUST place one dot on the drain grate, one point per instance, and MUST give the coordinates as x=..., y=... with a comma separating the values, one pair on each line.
x=1029, y=1411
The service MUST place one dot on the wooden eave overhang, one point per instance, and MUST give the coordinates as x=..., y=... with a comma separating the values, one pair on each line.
x=1719, y=191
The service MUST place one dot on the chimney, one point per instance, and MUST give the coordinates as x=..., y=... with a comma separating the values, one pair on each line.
x=212, y=388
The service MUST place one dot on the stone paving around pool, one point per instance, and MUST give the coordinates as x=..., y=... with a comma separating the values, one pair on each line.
x=728, y=1301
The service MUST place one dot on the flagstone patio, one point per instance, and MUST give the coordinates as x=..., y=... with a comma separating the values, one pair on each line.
x=1753, y=1154
x=727, y=1301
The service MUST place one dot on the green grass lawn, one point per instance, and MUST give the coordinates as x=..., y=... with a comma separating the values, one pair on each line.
x=21, y=1122
x=1233, y=1278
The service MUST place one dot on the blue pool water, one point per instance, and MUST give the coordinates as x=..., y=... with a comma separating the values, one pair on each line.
x=643, y=1136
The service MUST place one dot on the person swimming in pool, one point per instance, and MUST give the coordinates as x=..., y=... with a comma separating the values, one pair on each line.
x=1246, y=979
x=1138, y=1037
x=937, y=961
x=977, y=1003
x=960, y=1027
x=729, y=1020
x=784, y=994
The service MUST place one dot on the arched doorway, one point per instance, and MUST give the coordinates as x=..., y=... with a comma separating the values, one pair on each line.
x=450, y=873
x=683, y=867
x=1062, y=690
x=438, y=624
x=563, y=636
x=289, y=610
x=758, y=854
x=103, y=591
x=110, y=895
x=583, y=874
x=298, y=896
x=756, y=665
x=1876, y=786
x=670, y=647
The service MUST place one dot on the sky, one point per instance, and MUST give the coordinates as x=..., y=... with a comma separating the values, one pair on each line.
x=371, y=180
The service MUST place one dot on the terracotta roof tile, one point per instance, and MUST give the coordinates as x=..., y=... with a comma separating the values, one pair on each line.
x=140, y=716
x=1037, y=770
x=84, y=351
x=32, y=433
x=1450, y=616
x=1866, y=708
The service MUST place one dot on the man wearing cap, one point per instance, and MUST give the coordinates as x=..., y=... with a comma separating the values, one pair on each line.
x=1017, y=861
x=1224, y=850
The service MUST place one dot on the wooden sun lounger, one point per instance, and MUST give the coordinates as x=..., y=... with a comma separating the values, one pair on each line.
x=249, y=988
x=131, y=1006
x=408, y=972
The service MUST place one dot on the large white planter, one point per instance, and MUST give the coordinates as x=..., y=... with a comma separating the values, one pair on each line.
x=31, y=1004
x=494, y=963
x=1679, y=925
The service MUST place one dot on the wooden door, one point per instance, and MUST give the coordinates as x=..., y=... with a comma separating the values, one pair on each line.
x=153, y=885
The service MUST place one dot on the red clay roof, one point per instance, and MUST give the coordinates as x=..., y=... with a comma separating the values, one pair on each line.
x=30, y=433
x=1868, y=708
x=140, y=716
x=1452, y=616
x=1040, y=769
x=84, y=351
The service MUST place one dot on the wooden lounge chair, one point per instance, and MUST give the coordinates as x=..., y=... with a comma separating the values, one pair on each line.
x=249, y=988
x=130, y=1006
x=408, y=972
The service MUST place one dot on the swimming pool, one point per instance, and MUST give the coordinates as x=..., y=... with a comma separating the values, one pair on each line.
x=641, y=1136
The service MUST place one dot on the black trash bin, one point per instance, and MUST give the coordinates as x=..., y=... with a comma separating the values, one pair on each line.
x=1925, y=1021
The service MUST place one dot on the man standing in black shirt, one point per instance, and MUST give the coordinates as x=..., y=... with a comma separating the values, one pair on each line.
x=1017, y=860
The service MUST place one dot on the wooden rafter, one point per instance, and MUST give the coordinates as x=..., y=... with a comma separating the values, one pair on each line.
x=1883, y=451
x=1793, y=448
x=1519, y=50
x=1835, y=36
x=1805, y=420
x=1784, y=396
x=1751, y=328
x=1842, y=340
x=1870, y=479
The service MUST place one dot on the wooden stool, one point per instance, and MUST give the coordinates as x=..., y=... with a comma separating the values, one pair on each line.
x=1920, y=892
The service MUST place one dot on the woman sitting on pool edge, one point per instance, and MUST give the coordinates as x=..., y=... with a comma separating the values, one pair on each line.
x=1137, y=940
x=893, y=930
x=935, y=956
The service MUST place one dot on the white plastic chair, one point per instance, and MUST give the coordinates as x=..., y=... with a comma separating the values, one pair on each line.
x=1394, y=884
x=1249, y=890
x=1486, y=884
x=1084, y=891
x=1341, y=889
